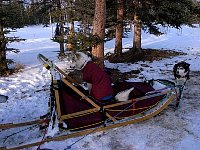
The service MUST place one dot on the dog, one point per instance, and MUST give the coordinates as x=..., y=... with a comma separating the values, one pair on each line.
x=98, y=81
x=181, y=70
x=3, y=98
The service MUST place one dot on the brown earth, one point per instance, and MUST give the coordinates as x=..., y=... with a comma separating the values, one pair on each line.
x=130, y=57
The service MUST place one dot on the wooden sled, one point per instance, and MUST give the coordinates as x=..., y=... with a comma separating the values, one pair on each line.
x=84, y=115
x=79, y=111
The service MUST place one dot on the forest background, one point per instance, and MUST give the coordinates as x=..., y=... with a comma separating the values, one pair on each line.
x=100, y=21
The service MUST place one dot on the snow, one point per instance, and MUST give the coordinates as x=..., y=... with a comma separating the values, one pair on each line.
x=28, y=93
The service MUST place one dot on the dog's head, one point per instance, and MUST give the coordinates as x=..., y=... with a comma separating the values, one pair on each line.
x=181, y=70
x=77, y=60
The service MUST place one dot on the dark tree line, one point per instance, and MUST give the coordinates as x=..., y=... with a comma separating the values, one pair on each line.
x=100, y=20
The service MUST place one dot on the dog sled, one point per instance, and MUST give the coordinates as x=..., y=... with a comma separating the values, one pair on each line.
x=72, y=110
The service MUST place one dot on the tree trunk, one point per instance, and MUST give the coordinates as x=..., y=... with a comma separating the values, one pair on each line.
x=61, y=18
x=3, y=62
x=62, y=38
x=119, y=29
x=99, y=30
x=70, y=46
x=137, y=34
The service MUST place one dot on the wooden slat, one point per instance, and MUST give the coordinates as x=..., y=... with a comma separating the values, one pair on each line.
x=76, y=114
x=14, y=125
x=137, y=99
x=58, y=109
x=80, y=93
x=47, y=61
x=66, y=76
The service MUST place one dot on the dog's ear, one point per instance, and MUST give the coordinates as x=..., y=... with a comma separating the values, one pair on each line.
x=175, y=67
x=187, y=64
x=77, y=56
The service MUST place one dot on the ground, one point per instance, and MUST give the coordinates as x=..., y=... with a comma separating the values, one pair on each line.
x=132, y=56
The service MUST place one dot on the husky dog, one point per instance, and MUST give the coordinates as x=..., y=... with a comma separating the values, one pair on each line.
x=181, y=70
x=98, y=81
x=3, y=98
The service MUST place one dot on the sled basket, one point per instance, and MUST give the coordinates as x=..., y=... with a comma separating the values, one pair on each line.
x=78, y=113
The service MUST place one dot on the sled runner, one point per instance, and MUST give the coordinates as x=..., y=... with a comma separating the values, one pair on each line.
x=71, y=108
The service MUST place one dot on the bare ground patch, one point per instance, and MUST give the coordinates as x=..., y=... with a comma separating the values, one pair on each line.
x=146, y=55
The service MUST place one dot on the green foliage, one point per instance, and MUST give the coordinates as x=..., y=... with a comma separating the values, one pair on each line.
x=197, y=12
x=111, y=19
x=84, y=41
x=80, y=41
x=84, y=11
x=11, y=14
x=11, y=18
x=168, y=13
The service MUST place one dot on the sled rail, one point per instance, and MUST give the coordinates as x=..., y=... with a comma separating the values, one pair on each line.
x=140, y=98
x=15, y=125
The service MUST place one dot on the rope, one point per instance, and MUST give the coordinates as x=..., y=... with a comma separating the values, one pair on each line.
x=45, y=132
x=151, y=106
x=134, y=108
x=181, y=88
x=18, y=132
x=51, y=106
x=46, y=122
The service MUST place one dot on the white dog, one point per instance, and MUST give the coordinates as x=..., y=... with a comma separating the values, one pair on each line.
x=99, y=82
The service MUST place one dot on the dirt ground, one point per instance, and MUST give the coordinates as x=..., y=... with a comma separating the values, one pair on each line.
x=146, y=55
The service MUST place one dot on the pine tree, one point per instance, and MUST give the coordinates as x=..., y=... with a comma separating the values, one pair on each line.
x=11, y=17
x=80, y=38
x=168, y=13
x=119, y=29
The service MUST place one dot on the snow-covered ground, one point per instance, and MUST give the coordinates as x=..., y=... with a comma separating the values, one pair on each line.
x=28, y=93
